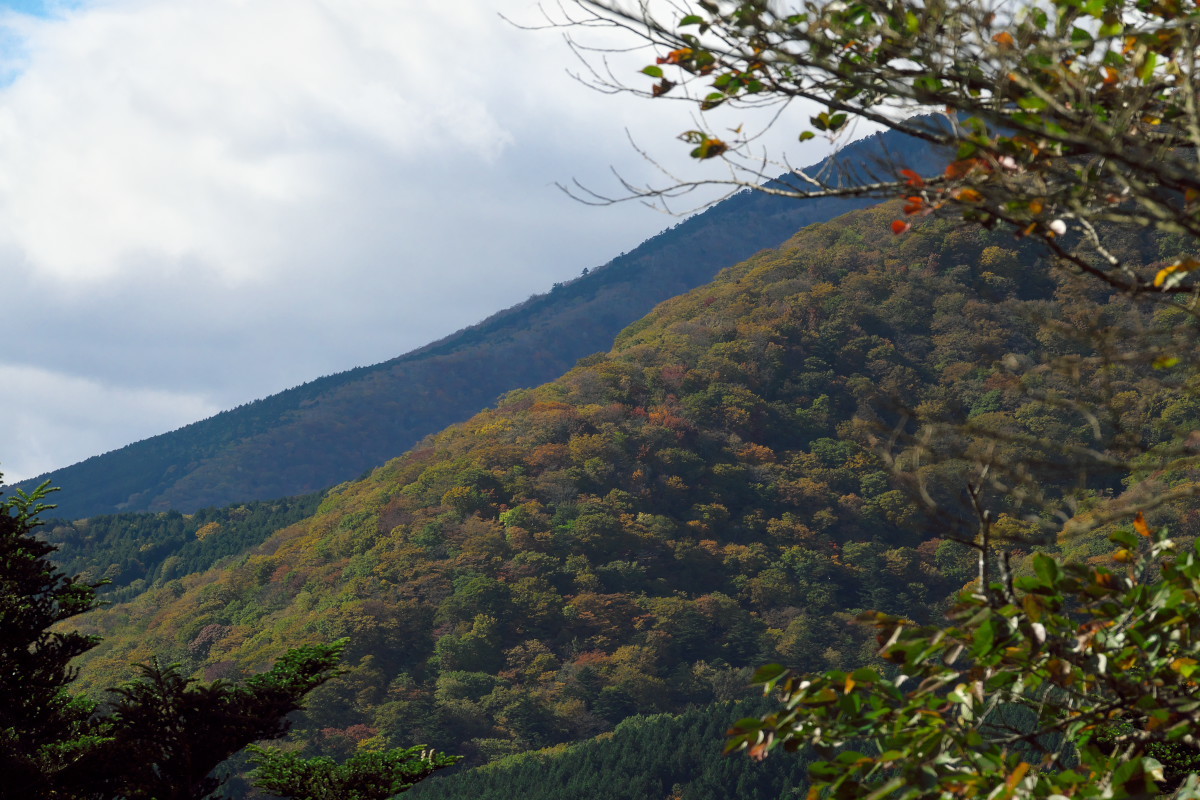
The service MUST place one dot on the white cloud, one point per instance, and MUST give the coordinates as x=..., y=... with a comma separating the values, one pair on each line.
x=59, y=416
x=196, y=130
x=219, y=199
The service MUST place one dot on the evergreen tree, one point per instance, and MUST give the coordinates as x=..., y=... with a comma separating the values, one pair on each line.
x=163, y=736
x=166, y=734
x=43, y=727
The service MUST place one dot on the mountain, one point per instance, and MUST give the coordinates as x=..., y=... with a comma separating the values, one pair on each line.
x=335, y=428
x=712, y=494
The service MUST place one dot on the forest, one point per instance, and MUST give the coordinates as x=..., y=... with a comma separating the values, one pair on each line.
x=639, y=535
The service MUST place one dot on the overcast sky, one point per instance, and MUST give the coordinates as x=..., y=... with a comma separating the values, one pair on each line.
x=203, y=202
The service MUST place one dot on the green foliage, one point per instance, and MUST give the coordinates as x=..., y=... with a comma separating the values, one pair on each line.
x=662, y=756
x=368, y=775
x=164, y=735
x=132, y=552
x=1075, y=680
x=159, y=737
x=1073, y=124
x=42, y=726
x=707, y=496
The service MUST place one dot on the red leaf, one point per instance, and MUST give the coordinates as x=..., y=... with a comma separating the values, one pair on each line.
x=960, y=168
x=678, y=56
x=914, y=179
x=900, y=226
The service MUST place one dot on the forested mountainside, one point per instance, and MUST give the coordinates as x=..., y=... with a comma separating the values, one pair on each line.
x=335, y=428
x=135, y=550
x=644, y=758
x=710, y=495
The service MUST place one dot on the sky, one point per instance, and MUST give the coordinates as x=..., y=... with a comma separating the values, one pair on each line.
x=204, y=202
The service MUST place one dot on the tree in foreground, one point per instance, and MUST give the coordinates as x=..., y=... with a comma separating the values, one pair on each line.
x=43, y=727
x=162, y=734
x=165, y=733
x=1067, y=120
x=1077, y=681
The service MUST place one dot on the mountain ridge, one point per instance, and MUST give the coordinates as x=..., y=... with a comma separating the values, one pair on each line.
x=281, y=446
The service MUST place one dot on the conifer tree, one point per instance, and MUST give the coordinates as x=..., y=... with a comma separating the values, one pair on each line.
x=43, y=727
x=163, y=736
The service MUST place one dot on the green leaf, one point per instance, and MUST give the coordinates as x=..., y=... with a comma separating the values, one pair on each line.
x=691, y=19
x=1147, y=69
x=652, y=71
x=823, y=770
x=1125, y=538
x=1046, y=568
x=769, y=673
x=930, y=83
x=747, y=724
x=806, y=135
x=886, y=789
x=985, y=638
x=822, y=697
x=865, y=675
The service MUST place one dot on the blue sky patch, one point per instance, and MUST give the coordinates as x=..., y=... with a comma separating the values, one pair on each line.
x=37, y=8
x=34, y=7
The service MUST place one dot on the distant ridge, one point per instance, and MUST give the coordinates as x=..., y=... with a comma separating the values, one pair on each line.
x=334, y=428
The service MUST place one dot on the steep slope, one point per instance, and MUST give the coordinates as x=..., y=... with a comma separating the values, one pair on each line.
x=635, y=536
x=333, y=429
